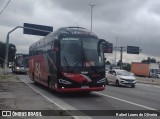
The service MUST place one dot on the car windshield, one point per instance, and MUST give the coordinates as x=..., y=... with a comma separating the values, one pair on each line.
x=123, y=73
x=80, y=51
x=157, y=71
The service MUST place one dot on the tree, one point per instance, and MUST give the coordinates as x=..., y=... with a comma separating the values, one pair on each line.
x=149, y=60
x=11, y=53
x=119, y=63
x=108, y=63
x=127, y=67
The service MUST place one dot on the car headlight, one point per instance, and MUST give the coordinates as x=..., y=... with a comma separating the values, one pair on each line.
x=123, y=79
x=64, y=81
x=17, y=67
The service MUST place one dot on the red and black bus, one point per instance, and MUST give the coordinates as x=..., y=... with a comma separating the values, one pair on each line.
x=70, y=59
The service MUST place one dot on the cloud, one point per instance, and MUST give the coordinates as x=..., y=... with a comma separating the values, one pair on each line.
x=134, y=22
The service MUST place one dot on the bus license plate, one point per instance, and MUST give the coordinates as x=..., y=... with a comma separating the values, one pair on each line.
x=84, y=87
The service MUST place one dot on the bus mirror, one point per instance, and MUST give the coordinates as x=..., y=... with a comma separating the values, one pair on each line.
x=107, y=46
x=103, y=43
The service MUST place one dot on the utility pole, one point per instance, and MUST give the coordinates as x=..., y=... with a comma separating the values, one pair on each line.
x=121, y=57
x=7, y=43
x=116, y=52
x=91, y=5
x=121, y=49
x=129, y=49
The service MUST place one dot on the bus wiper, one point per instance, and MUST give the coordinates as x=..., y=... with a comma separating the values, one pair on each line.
x=66, y=62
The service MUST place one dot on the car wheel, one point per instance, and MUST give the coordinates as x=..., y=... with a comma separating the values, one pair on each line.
x=133, y=85
x=106, y=81
x=117, y=83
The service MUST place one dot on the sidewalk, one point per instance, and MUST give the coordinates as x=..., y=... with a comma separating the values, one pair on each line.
x=152, y=81
x=15, y=95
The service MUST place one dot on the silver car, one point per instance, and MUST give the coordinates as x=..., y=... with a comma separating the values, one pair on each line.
x=120, y=77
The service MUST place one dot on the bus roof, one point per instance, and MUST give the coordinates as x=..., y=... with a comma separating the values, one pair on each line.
x=66, y=31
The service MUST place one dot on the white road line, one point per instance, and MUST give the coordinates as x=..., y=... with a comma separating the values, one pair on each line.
x=122, y=100
x=60, y=106
x=149, y=85
x=138, y=92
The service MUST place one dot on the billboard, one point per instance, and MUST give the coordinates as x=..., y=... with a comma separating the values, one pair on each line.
x=37, y=28
x=133, y=50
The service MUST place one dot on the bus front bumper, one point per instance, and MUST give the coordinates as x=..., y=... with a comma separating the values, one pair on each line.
x=80, y=89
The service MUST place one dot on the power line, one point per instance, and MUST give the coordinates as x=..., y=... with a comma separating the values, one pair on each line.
x=5, y=7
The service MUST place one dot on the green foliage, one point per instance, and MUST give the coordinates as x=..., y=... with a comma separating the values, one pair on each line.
x=127, y=67
x=119, y=63
x=149, y=60
x=108, y=63
x=11, y=54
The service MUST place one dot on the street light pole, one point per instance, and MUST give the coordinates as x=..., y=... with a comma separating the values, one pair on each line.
x=91, y=5
x=7, y=43
x=121, y=57
x=116, y=52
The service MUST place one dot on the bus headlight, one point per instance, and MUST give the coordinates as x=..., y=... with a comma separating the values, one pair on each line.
x=102, y=80
x=64, y=81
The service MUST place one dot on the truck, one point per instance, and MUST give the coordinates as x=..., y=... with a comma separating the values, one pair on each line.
x=146, y=69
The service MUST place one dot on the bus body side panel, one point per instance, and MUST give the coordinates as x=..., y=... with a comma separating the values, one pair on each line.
x=51, y=66
x=37, y=68
x=43, y=68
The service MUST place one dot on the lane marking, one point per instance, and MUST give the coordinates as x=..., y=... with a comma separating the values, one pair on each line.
x=150, y=85
x=50, y=100
x=129, y=102
x=138, y=92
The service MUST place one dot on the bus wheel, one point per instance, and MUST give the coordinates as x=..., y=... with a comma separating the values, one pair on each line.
x=49, y=84
x=33, y=79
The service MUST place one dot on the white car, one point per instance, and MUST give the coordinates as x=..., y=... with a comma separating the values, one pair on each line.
x=120, y=77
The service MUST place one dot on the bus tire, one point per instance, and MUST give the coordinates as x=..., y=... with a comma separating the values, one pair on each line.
x=33, y=79
x=49, y=84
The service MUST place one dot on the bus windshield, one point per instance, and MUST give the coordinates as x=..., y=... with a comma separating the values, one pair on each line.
x=21, y=60
x=80, y=51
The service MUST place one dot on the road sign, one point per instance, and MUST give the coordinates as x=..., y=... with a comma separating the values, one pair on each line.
x=132, y=50
x=40, y=30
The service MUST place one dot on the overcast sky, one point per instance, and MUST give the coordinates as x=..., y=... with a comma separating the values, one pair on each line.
x=134, y=22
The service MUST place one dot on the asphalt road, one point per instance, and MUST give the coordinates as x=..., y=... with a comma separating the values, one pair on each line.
x=142, y=97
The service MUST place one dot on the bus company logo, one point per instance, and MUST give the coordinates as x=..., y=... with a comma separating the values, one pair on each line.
x=6, y=113
x=68, y=75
